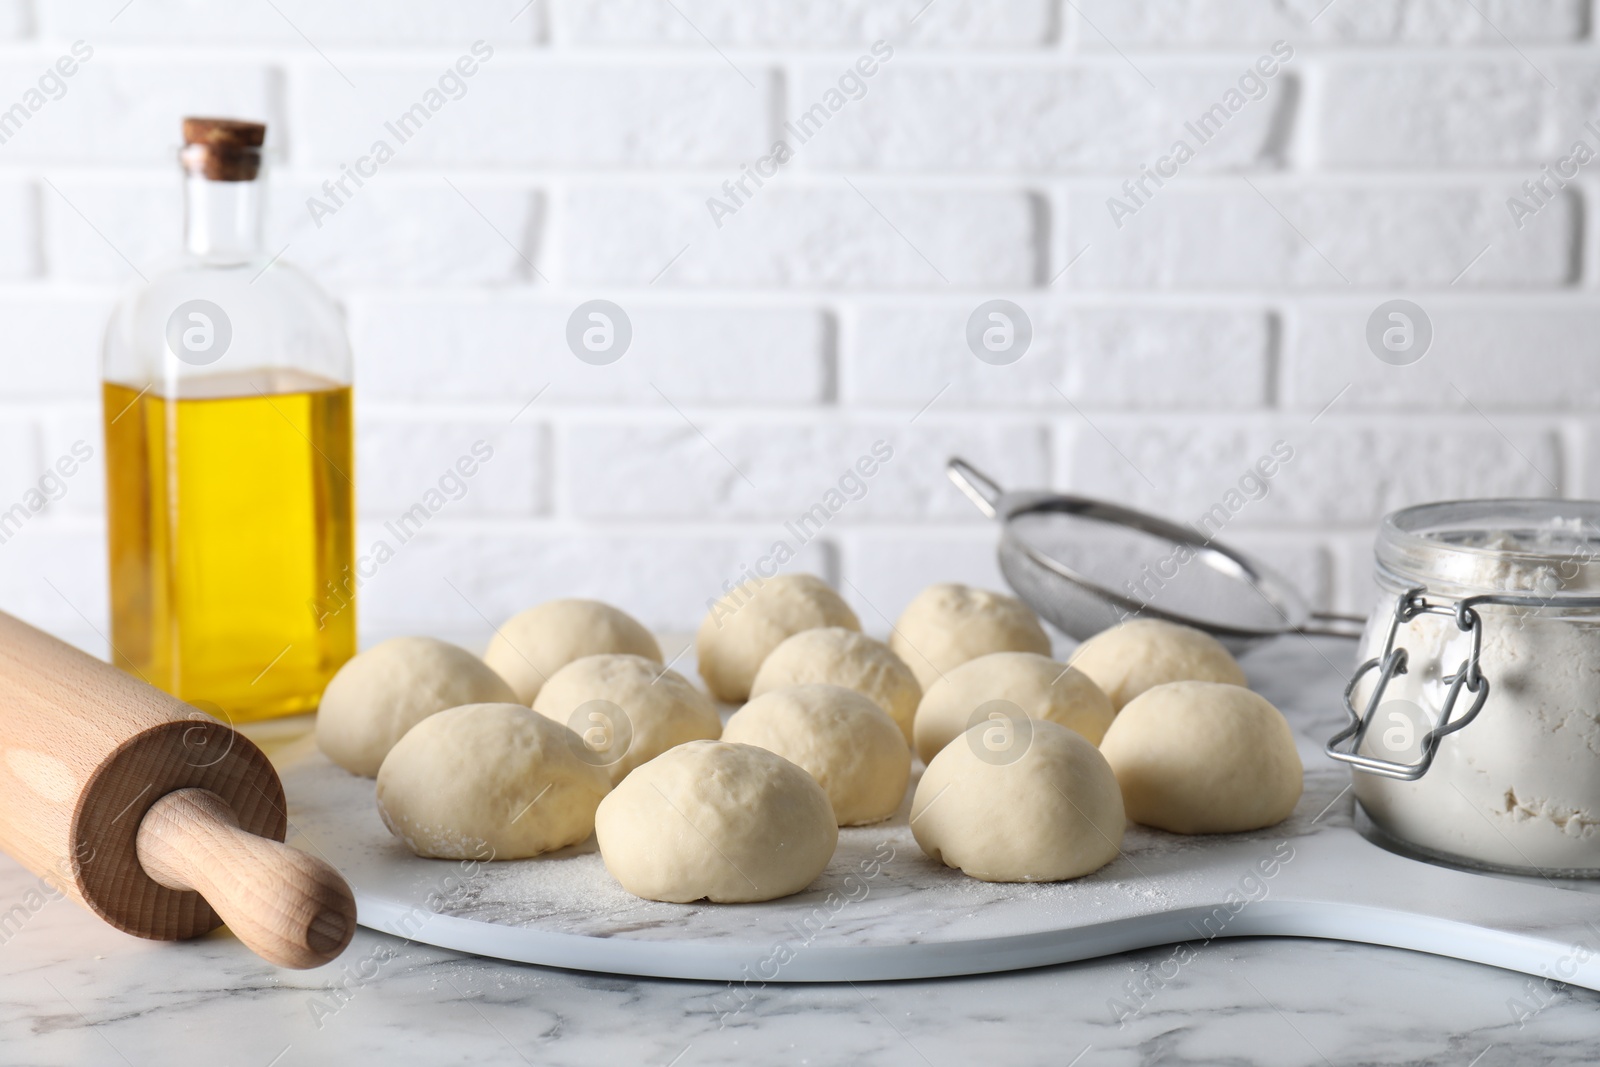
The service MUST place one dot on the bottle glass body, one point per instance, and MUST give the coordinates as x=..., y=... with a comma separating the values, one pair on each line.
x=230, y=501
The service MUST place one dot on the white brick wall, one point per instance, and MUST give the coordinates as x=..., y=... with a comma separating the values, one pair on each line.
x=584, y=113
x=811, y=234
x=118, y=107
x=407, y=350
x=772, y=346
x=820, y=24
x=1202, y=23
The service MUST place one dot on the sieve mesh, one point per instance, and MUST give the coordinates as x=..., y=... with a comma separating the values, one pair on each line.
x=1085, y=565
x=1150, y=570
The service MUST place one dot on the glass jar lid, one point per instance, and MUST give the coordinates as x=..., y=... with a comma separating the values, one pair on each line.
x=1544, y=547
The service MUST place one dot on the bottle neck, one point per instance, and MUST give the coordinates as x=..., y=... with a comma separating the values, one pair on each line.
x=221, y=220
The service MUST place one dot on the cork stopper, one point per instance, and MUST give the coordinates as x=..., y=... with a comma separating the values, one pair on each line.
x=224, y=150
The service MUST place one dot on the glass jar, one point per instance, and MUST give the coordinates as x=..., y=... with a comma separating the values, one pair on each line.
x=1474, y=713
x=227, y=414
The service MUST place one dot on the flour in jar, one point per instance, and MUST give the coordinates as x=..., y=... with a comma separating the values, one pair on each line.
x=1519, y=786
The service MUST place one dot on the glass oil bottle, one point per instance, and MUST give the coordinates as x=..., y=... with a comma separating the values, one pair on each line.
x=227, y=417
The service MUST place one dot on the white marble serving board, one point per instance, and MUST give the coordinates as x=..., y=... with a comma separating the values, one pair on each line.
x=882, y=910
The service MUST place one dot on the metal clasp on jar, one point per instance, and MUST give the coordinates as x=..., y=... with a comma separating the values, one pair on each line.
x=1394, y=661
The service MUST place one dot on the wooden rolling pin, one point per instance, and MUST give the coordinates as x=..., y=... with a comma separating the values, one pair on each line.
x=155, y=816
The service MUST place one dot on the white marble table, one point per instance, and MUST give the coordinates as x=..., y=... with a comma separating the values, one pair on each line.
x=73, y=991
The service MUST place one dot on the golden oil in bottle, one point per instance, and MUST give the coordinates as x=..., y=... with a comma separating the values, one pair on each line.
x=229, y=519
x=228, y=455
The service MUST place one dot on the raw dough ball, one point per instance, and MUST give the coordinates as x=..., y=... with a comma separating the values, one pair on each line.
x=1040, y=686
x=533, y=645
x=627, y=709
x=836, y=656
x=727, y=823
x=948, y=624
x=489, y=777
x=841, y=738
x=380, y=694
x=1038, y=805
x=743, y=627
x=1204, y=758
x=1134, y=656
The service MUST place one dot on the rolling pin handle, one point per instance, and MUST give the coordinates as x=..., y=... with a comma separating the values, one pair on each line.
x=288, y=907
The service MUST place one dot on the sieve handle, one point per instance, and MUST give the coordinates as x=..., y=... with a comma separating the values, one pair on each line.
x=1332, y=624
x=981, y=489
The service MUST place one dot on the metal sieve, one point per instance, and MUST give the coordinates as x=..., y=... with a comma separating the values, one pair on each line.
x=1086, y=565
